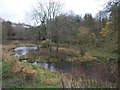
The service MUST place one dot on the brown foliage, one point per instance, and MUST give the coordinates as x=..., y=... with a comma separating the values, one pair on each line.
x=44, y=44
x=30, y=77
x=62, y=54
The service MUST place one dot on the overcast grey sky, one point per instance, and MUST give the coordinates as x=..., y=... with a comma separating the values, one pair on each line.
x=15, y=10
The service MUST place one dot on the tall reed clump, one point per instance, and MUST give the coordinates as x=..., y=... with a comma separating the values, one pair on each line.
x=94, y=75
x=68, y=81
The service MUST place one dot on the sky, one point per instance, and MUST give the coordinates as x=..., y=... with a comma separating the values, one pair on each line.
x=17, y=10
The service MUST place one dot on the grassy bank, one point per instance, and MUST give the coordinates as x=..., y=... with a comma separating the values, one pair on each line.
x=18, y=74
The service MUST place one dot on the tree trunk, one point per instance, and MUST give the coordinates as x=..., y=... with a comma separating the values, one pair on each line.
x=57, y=48
x=50, y=45
x=82, y=51
x=50, y=48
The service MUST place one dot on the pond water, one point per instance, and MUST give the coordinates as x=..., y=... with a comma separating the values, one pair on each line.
x=54, y=66
x=19, y=51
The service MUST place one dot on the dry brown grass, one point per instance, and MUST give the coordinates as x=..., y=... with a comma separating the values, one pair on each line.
x=50, y=82
x=30, y=77
x=62, y=54
x=98, y=76
x=14, y=65
x=88, y=56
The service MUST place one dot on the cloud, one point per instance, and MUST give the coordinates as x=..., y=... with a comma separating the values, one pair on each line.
x=15, y=10
x=84, y=6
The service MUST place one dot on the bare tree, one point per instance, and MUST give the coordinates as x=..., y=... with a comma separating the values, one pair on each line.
x=44, y=13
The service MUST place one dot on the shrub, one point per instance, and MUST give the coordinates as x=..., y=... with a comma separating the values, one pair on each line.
x=44, y=44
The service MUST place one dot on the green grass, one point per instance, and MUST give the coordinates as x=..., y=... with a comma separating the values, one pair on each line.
x=102, y=53
x=39, y=77
x=42, y=86
x=15, y=80
x=5, y=67
x=0, y=65
x=52, y=86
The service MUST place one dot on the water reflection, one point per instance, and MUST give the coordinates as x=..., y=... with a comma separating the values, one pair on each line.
x=19, y=51
x=50, y=66
x=55, y=66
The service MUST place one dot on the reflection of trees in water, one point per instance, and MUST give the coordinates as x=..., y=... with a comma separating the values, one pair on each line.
x=63, y=66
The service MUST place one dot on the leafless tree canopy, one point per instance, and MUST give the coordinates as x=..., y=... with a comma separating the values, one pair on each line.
x=46, y=11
